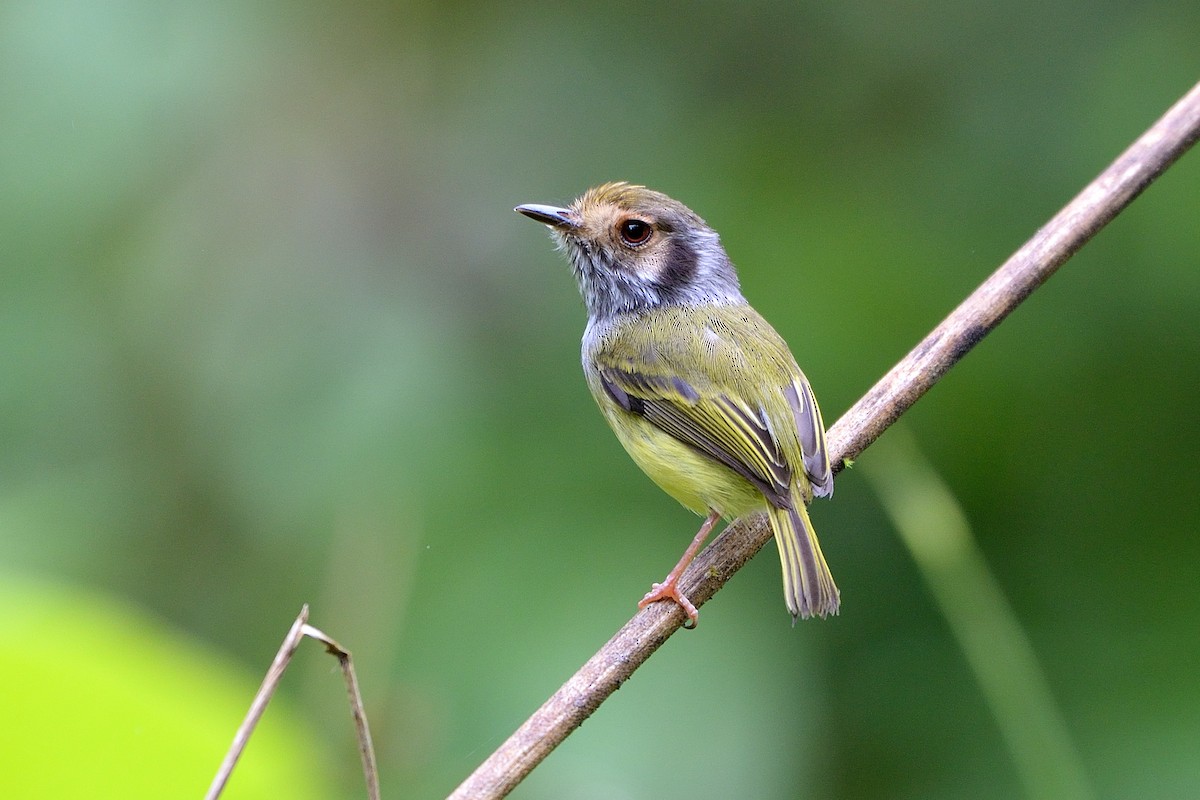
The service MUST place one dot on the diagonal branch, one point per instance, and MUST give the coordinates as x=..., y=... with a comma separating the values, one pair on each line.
x=1025, y=270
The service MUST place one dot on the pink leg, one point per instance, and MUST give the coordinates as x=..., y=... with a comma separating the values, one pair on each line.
x=669, y=589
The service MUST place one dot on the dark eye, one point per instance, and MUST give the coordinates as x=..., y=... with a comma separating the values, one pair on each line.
x=635, y=232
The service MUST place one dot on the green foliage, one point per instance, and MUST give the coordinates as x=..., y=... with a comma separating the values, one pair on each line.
x=104, y=701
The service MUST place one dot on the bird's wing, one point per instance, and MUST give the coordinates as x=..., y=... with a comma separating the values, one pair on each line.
x=811, y=430
x=717, y=425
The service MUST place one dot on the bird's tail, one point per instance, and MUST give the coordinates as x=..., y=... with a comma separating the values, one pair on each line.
x=808, y=586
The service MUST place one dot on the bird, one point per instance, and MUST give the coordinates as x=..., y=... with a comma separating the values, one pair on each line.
x=703, y=393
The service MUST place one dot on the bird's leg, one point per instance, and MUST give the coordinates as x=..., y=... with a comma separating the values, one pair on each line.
x=669, y=589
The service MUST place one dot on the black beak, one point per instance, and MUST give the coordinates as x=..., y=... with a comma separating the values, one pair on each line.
x=555, y=217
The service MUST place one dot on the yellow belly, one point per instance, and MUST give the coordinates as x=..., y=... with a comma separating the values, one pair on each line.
x=695, y=480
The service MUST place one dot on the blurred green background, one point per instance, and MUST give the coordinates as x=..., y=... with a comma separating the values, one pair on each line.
x=270, y=333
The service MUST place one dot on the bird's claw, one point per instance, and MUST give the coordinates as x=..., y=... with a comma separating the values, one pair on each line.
x=670, y=591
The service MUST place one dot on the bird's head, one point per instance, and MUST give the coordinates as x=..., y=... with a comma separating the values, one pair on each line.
x=633, y=248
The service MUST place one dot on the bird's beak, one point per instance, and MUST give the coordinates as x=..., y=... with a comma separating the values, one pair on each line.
x=563, y=219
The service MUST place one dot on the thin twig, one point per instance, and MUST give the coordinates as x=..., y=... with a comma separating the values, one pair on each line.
x=300, y=628
x=366, y=749
x=1027, y=269
x=265, y=692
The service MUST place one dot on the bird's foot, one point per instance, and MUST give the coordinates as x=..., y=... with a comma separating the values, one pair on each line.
x=669, y=590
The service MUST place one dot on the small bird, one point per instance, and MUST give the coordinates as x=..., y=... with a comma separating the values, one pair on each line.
x=702, y=392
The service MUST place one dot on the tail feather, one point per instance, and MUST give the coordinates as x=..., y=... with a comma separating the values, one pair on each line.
x=808, y=586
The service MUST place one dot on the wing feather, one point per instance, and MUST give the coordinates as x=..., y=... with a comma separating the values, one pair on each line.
x=811, y=430
x=719, y=427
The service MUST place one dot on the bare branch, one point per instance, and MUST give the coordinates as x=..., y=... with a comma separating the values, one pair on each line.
x=1025, y=270
x=259, y=705
x=300, y=628
x=366, y=749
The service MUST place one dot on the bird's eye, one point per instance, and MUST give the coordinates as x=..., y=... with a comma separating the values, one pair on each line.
x=635, y=232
